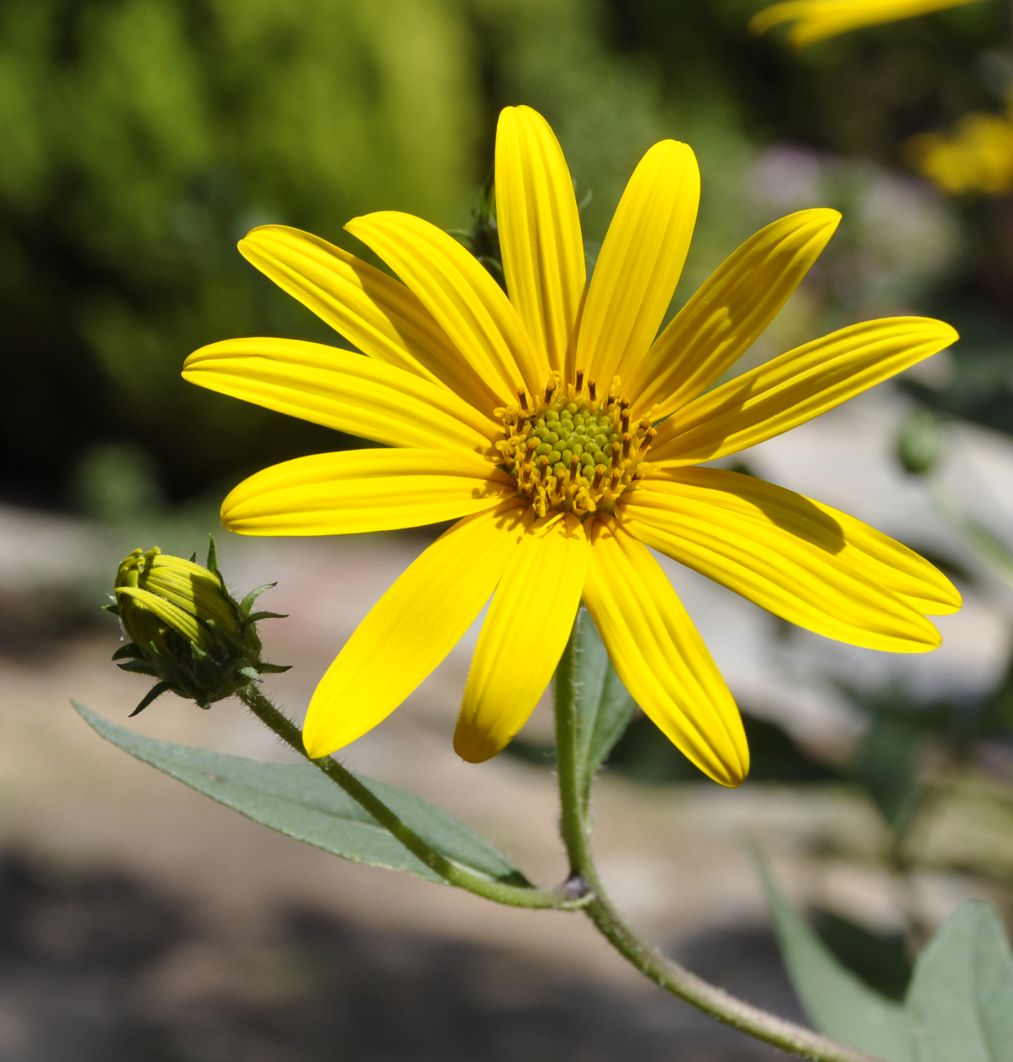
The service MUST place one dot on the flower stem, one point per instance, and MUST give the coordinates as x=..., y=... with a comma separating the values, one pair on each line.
x=663, y=971
x=563, y=897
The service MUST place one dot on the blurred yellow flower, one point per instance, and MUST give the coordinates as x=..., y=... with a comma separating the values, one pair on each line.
x=562, y=432
x=815, y=20
x=976, y=158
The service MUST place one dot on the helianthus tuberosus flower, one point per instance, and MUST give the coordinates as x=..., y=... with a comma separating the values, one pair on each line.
x=565, y=435
x=815, y=20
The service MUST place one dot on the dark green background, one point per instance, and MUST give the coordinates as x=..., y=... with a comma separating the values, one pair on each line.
x=142, y=138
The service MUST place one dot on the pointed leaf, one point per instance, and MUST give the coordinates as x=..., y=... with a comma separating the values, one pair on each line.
x=152, y=695
x=299, y=801
x=836, y=1001
x=273, y=669
x=961, y=996
x=138, y=667
x=247, y=602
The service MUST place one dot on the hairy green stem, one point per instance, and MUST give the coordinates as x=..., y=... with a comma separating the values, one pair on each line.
x=664, y=972
x=565, y=897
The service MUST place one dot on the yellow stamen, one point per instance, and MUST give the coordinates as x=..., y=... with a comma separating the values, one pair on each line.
x=573, y=453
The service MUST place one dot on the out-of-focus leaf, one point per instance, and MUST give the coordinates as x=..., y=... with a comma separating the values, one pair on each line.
x=646, y=755
x=157, y=183
x=959, y=1005
x=886, y=765
x=880, y=960
x=920, y=442
x=961, y=997
x=978, y=387
x=298, y=801
x=836, y=1001
x=528, y=750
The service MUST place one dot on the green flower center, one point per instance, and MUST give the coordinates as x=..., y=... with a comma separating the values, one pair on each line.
x=573, y=452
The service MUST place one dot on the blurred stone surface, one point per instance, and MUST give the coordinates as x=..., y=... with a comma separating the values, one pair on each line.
x=141, y=921
x=103, y=965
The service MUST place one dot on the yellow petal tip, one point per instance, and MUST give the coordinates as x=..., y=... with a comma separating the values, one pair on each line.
x=731, y=774
x=226, y=515
x=474, y=745
x=943, y=599
x=314, y=742
x=256, y=231
x=827, y=216
x=925, y=640
x=675, y=147
x=732, y=780
x=954, y=601
x=940, y=331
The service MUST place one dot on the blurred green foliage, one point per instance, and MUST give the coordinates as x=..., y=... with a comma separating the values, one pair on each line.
x=143, y=137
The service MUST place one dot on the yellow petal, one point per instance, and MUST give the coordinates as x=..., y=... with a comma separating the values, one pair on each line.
x=191, y=587
x=640, y=263
x=723, y=319
x=374, y=312
x=800, y=560
x=523, y=636
x=169, y=614
x=796, y=387
x=364, y=490
x=412, y=628
x=661, y=657
x=467, y=303
x=539, y=231
x=342, y=390
x=815, y=20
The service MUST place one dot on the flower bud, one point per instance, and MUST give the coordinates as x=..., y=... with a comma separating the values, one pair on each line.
x=185, y=628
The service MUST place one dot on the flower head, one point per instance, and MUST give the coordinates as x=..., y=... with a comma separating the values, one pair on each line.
x=815, y=20
x=564, y=434
x=185, y=628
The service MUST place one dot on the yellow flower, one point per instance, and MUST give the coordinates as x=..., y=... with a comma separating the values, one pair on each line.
x=977, y=157
x=563, y=434
x=815, y=20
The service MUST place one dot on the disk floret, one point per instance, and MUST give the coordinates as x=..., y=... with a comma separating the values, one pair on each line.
x=573, y=451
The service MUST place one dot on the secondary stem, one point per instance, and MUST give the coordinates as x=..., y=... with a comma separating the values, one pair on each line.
x=664, y=972
x=514, y=895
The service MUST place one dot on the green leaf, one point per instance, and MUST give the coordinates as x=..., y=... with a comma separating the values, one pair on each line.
x=837, y=1003
x=879, y=958
x=886, y=766
x=603, y=707
x=961, y=995
x=299, y=801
